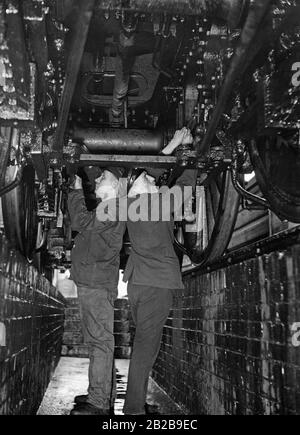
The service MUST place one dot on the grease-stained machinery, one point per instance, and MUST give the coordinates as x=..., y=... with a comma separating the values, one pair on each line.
x=87, y=83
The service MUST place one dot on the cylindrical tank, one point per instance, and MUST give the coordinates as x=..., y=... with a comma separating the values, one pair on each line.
x=119, y=141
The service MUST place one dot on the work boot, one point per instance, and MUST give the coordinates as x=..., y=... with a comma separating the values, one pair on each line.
x=88, y=409
x=151, y=409
x=80, y=400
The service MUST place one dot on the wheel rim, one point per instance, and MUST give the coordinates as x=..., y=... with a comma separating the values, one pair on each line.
x=19, y=212
x=277, y=168
x=220, y=203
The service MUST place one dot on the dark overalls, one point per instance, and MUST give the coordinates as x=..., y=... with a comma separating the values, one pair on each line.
x=95, y=270
x=153, y=274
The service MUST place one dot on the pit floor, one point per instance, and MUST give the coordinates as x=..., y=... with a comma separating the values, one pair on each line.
x=71, y=379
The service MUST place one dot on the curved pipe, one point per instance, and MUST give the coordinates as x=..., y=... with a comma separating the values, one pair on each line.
x=119, y=141
x=181, y=247
x=243, y=192
x=13, y=184
x=43, y=242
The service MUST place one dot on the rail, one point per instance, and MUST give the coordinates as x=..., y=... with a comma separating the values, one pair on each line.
x=279, y=241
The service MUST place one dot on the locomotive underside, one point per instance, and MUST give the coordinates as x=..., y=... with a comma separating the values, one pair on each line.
x=84, y=84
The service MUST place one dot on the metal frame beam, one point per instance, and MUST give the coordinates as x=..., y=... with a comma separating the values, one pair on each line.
x=184, y=7
x=127, y=161
x=73, y=65
x=280, y=241
x=255, y=18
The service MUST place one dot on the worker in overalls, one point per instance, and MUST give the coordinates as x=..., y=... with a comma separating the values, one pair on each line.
x=95, y=270
x=153, y=273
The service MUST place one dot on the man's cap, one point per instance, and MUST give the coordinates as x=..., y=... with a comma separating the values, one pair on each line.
x=155, y=172
x=117, y=171
x=93, y=172
x=135, y=173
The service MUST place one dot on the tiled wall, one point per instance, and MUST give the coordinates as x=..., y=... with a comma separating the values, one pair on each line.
x=232, y=342
x=31, y=329
x=73, y=344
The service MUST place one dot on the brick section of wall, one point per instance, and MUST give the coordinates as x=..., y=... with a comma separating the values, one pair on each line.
x=73, y=344
x=232, y=342
x=32, y=313
x=122, y=329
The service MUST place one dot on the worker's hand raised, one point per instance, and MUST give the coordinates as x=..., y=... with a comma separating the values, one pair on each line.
x=187, y=138
x=179, y=136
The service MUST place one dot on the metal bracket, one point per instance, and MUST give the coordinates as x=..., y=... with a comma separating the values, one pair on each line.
x=262, y=202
